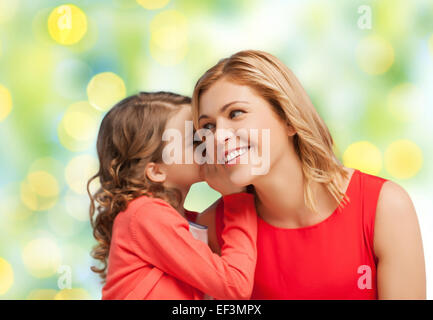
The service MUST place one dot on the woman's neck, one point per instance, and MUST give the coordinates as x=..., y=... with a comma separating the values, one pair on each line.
x=280, y=196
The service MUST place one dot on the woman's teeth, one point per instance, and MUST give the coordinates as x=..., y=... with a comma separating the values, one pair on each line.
x=234, y=154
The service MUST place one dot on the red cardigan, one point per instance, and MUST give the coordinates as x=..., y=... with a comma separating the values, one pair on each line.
x=154, y=256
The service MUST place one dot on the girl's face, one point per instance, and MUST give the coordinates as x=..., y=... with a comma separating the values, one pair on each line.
x=230, y=106
x=183, y=174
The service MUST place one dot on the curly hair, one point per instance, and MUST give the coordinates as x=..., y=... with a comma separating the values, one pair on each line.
x=130, y=136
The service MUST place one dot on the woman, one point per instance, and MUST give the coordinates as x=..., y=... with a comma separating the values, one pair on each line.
x=324, y=231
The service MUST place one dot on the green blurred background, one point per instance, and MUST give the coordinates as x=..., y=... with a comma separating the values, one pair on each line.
x=367, y=65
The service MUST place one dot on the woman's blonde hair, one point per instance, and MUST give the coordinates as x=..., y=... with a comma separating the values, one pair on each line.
x=277, y=84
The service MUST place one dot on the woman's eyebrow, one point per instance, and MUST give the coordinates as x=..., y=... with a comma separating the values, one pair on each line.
x=223, y=108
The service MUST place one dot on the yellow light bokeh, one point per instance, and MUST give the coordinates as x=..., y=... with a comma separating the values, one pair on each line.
x=77, y=123
x=153, y=4
x=41, y=257
x=363, y=156
x=81, y=121
x=168, y=57
x=403, y=159
x=13, y=212
x=405, y=102
x=61, y=223
x=48, y=164
x=42, y=294
x=375, y=55
x=77, y=206
x=6, y=276
x=39, y=191
x=79, y=170
x=79, y=126
x=169, y=30
x=43, y=183
x=8, y=9
x=73, y=294
x=169, y=37
x=388, y=12
x=5, y=102
x=70, y=143
x=67, y=24
x=105, y=90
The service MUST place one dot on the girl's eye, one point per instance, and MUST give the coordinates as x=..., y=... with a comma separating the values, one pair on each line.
x=235, y=113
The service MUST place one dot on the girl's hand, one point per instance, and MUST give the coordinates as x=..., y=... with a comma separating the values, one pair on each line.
x=217, y=179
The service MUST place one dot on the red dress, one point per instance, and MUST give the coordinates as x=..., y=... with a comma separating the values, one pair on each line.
x=333, y=259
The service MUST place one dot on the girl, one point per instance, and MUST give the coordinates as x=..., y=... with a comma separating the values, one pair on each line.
x=324, y=231
x=144, y=243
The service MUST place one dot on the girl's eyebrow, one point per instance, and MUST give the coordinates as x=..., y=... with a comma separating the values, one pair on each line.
x=223, y=108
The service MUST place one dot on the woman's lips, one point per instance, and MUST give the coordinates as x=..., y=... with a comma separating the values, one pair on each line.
x=233, y=156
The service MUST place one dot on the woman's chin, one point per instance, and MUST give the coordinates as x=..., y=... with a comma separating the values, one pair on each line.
x=240, y=175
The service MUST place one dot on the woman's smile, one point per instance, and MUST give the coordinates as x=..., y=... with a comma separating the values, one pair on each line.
x=235, y=156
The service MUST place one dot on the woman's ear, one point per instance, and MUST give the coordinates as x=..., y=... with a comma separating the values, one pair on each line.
x=155, y=172
x=290, y=130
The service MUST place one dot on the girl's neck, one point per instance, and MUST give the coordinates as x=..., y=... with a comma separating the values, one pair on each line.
x=180, y=208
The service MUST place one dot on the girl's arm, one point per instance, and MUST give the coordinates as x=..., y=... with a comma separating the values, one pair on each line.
x=398, y=246
x=162, y=238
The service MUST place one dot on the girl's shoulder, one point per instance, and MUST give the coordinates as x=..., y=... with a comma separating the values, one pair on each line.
x=145, y=200
x=158, y=204
x=149, y=209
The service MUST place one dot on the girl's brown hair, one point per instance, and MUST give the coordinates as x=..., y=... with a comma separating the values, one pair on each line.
x=130, y=136
x=276, y=83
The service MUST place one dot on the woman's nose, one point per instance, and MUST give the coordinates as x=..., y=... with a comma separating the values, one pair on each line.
x=223, y=132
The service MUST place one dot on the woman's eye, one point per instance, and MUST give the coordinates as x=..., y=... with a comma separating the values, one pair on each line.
x=196, y=142
x=208, y=126
x=235, y=113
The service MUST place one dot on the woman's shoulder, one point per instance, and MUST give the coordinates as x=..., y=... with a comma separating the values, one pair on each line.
x=370, y=178
x=397, y=236
x=384, y=197
x=394, y=201
x=366, y=187
x=384, y=194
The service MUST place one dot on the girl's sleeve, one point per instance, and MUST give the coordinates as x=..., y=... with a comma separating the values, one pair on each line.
x=162, y=238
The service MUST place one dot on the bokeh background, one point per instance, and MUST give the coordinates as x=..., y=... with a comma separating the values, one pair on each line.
x=367, y=66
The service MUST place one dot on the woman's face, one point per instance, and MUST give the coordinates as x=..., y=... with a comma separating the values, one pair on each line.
x=242, y=120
